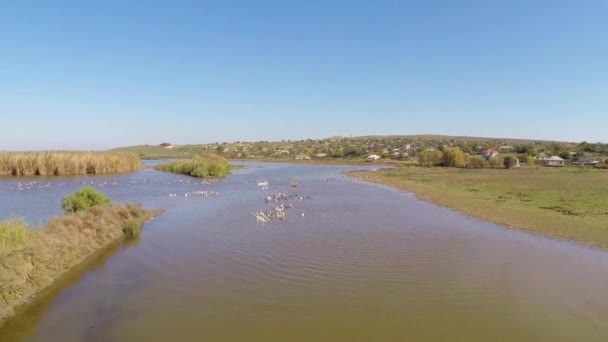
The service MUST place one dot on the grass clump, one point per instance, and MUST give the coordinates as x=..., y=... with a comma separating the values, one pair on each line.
x=32, y=259
x=566, y=203
x=66, y=163
x=13, y=233
x=84, y=199
x=132, y=230
x=209, y=165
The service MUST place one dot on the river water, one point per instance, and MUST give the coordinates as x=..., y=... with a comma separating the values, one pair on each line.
x=364, y=263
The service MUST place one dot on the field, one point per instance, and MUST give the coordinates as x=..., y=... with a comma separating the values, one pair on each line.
x=66, y=163
x=32, y=259
x=565, y=203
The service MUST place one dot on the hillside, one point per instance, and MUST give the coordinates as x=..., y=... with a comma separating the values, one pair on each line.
x=402, y=147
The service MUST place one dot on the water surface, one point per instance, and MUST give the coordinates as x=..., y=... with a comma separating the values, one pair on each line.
x=364, y=263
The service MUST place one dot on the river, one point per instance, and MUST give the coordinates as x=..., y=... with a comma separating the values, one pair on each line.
x=350, y=262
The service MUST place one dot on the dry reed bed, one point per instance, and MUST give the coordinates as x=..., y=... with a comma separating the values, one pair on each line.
x=32, y=259
x=66, y=163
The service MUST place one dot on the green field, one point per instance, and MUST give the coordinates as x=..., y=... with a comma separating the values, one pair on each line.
x=566, y=203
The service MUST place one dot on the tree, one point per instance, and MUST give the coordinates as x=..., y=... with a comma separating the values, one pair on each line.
x=530, y=160
x=84, y=199
x=555, y=148
x=429, y=157
x=509, y=162
x=453, y=157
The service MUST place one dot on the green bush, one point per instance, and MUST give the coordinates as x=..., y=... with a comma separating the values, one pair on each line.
x=530, y=161
x=84, y=199
x=508, y=162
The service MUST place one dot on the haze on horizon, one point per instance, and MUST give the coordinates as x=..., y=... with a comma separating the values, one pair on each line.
x=79, y=75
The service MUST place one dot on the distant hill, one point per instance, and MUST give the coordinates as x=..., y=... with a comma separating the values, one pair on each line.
x=415, y=137
x=334, y=147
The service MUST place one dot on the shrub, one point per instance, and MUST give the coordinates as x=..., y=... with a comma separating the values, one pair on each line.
x=429, y=157
x=508, y=162
x=453, y=157
x=132, y=230
x=530, y=161
x=84, y=199
x=496, y=162
x=13, y=232
x=477, y=162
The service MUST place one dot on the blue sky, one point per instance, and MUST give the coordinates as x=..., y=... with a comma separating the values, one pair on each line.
x=96, y=75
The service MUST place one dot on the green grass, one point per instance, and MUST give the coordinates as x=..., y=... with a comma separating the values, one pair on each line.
x=66, y=163
x=157, y=152
x=566, y=203
x=32, y=259
x=209, y=165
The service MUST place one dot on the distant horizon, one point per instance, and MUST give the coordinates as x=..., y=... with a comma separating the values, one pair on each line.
x=96, y=75
x=157, y=143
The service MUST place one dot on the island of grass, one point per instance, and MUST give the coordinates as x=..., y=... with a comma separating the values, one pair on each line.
x=32, y=259
x=566, y=203
x=66, y=163
x=208, y=165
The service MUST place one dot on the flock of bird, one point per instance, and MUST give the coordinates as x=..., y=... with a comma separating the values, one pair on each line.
x=278, y=212
x=202, y=193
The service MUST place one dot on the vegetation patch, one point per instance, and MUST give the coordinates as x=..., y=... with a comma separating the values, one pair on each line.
x=32, y=259
x=208, y=165
x=66, y=163
x=567, y=203
x=84, y=199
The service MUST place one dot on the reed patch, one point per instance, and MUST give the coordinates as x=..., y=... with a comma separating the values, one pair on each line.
x=66, y=163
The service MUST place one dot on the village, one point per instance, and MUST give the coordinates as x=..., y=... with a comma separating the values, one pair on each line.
x=477, y=152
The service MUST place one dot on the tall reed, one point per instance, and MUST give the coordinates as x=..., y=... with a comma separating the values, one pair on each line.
x=66, y=163
x=208, y=165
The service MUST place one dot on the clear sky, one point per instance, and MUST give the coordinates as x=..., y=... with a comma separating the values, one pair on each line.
x=102, y=74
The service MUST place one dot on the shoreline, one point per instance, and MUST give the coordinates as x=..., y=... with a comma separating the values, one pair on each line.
x=522, y=217
x=30, y=293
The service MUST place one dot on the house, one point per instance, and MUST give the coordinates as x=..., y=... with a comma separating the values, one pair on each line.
x=552, y=161
x=321, y=155
x=489, y=153
x=302, y=157
x=167, y=146
x=373, y=157
x=586, y=163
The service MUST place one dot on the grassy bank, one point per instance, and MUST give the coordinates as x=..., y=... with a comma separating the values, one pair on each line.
x=32, y=259
x=66, y=163
x=209, y=165
x=566, y=203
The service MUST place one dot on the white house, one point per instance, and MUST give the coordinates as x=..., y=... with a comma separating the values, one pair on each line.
x=373, y=157
x=553, y=161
